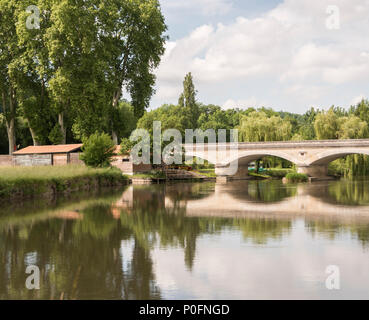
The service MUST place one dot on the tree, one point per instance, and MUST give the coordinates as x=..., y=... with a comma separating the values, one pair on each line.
x=258, y=127
x=170, y=116
x=124, y=119
x=98, y=150
x=353, y=128
x=8, y=50
x=187, y=100
x=131, y=36
x=327, y=125
x=361, y=110
x=126, y=146
x=33, y=87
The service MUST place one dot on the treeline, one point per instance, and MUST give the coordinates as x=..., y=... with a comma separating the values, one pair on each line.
x=265, y=124
x=65, y=64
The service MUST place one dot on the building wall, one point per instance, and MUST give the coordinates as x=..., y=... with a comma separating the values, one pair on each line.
x=6, y=161
x=128, y=167
x=74, y=158
x=60, y=159
x=33, y=160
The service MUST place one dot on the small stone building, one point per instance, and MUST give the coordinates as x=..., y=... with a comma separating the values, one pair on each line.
x=125, y=163
x=53, y=155
x=58, y=155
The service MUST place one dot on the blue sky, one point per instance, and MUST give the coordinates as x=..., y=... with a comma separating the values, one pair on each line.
x=289, y=55
x=181, y=19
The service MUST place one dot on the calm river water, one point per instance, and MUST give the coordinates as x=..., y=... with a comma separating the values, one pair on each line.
x=240, y=240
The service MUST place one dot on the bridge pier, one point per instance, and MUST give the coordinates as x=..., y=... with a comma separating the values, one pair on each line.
x=317, y=171
x=223, y=175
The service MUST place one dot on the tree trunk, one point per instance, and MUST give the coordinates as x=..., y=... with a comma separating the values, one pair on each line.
x=10, y=118
x=62, y=128
x=115, y=137
x=10, y=128
x=116, y=99
x=34, y=137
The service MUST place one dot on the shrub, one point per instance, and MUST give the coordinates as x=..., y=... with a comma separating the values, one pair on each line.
x=297, y=177
x=56, y=135
x=278, y=173
x=126, y=146
x=98, y=150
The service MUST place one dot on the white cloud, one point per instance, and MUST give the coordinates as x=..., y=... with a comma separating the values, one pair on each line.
x=357, y=99
x=243, y=103
x=288, y=48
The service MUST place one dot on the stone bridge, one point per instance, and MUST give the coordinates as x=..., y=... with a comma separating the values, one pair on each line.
x=310, y=157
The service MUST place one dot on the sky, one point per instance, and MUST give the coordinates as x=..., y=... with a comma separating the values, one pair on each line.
x=288, y=55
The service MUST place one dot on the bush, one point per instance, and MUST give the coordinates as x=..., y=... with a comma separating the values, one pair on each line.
x=297, y=177
x=153, y=174
x=56, y=135
x=126, y=146
x=98, y=150
x=277, y=173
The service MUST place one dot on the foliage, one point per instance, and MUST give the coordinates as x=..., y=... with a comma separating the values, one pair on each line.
x=126, y=146
x=327, y=125
x=98, y=150
x=296, y=177
x=72, y=70
x=258, y=127
x=56, y=135
x=277, y=173
x=210, y=173
x=187, y=100
x=153, y=174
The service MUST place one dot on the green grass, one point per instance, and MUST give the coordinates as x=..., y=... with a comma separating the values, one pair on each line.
x=31, y=181
x=297, y=177
x=259, y=175
x=210, y=173
x=150, y=175
x=278, y=172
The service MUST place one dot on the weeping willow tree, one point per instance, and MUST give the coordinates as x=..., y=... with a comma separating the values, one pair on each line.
x=328, y=125
x=356, y=165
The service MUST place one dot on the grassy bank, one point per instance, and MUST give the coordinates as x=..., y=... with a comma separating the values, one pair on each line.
x=150, y=175
x=26, y=182
x=296, y=177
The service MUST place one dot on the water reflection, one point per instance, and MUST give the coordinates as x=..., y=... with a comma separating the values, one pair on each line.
x=152, y=242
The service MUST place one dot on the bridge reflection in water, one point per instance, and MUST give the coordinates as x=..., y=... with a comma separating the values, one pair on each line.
x=202, y=241
x=343, y=199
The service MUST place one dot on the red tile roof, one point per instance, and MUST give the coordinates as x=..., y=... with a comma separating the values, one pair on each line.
x=49, y=149
x=117, y=150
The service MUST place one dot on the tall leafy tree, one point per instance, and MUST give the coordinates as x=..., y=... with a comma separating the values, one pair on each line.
x=33, y=91
x=326, y=125
x=131, y=35
x=258, y=127
x=8, y=85
x=187, y=100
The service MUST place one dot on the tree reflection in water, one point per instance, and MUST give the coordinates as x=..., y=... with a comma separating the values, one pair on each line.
x=79, y=247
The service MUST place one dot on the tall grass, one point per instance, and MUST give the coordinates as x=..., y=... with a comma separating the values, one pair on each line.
x=297, y=177
x=30, y=181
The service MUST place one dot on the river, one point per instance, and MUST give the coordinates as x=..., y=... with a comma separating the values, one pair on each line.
x=238, y=240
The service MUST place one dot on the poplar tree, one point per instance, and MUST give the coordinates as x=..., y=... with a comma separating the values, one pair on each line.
x=188, y=100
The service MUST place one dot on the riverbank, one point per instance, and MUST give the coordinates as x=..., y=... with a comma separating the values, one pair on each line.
x=48, y=181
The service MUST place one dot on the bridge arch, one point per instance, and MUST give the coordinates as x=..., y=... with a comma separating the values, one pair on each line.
x=245, y=157
x=324, y=158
